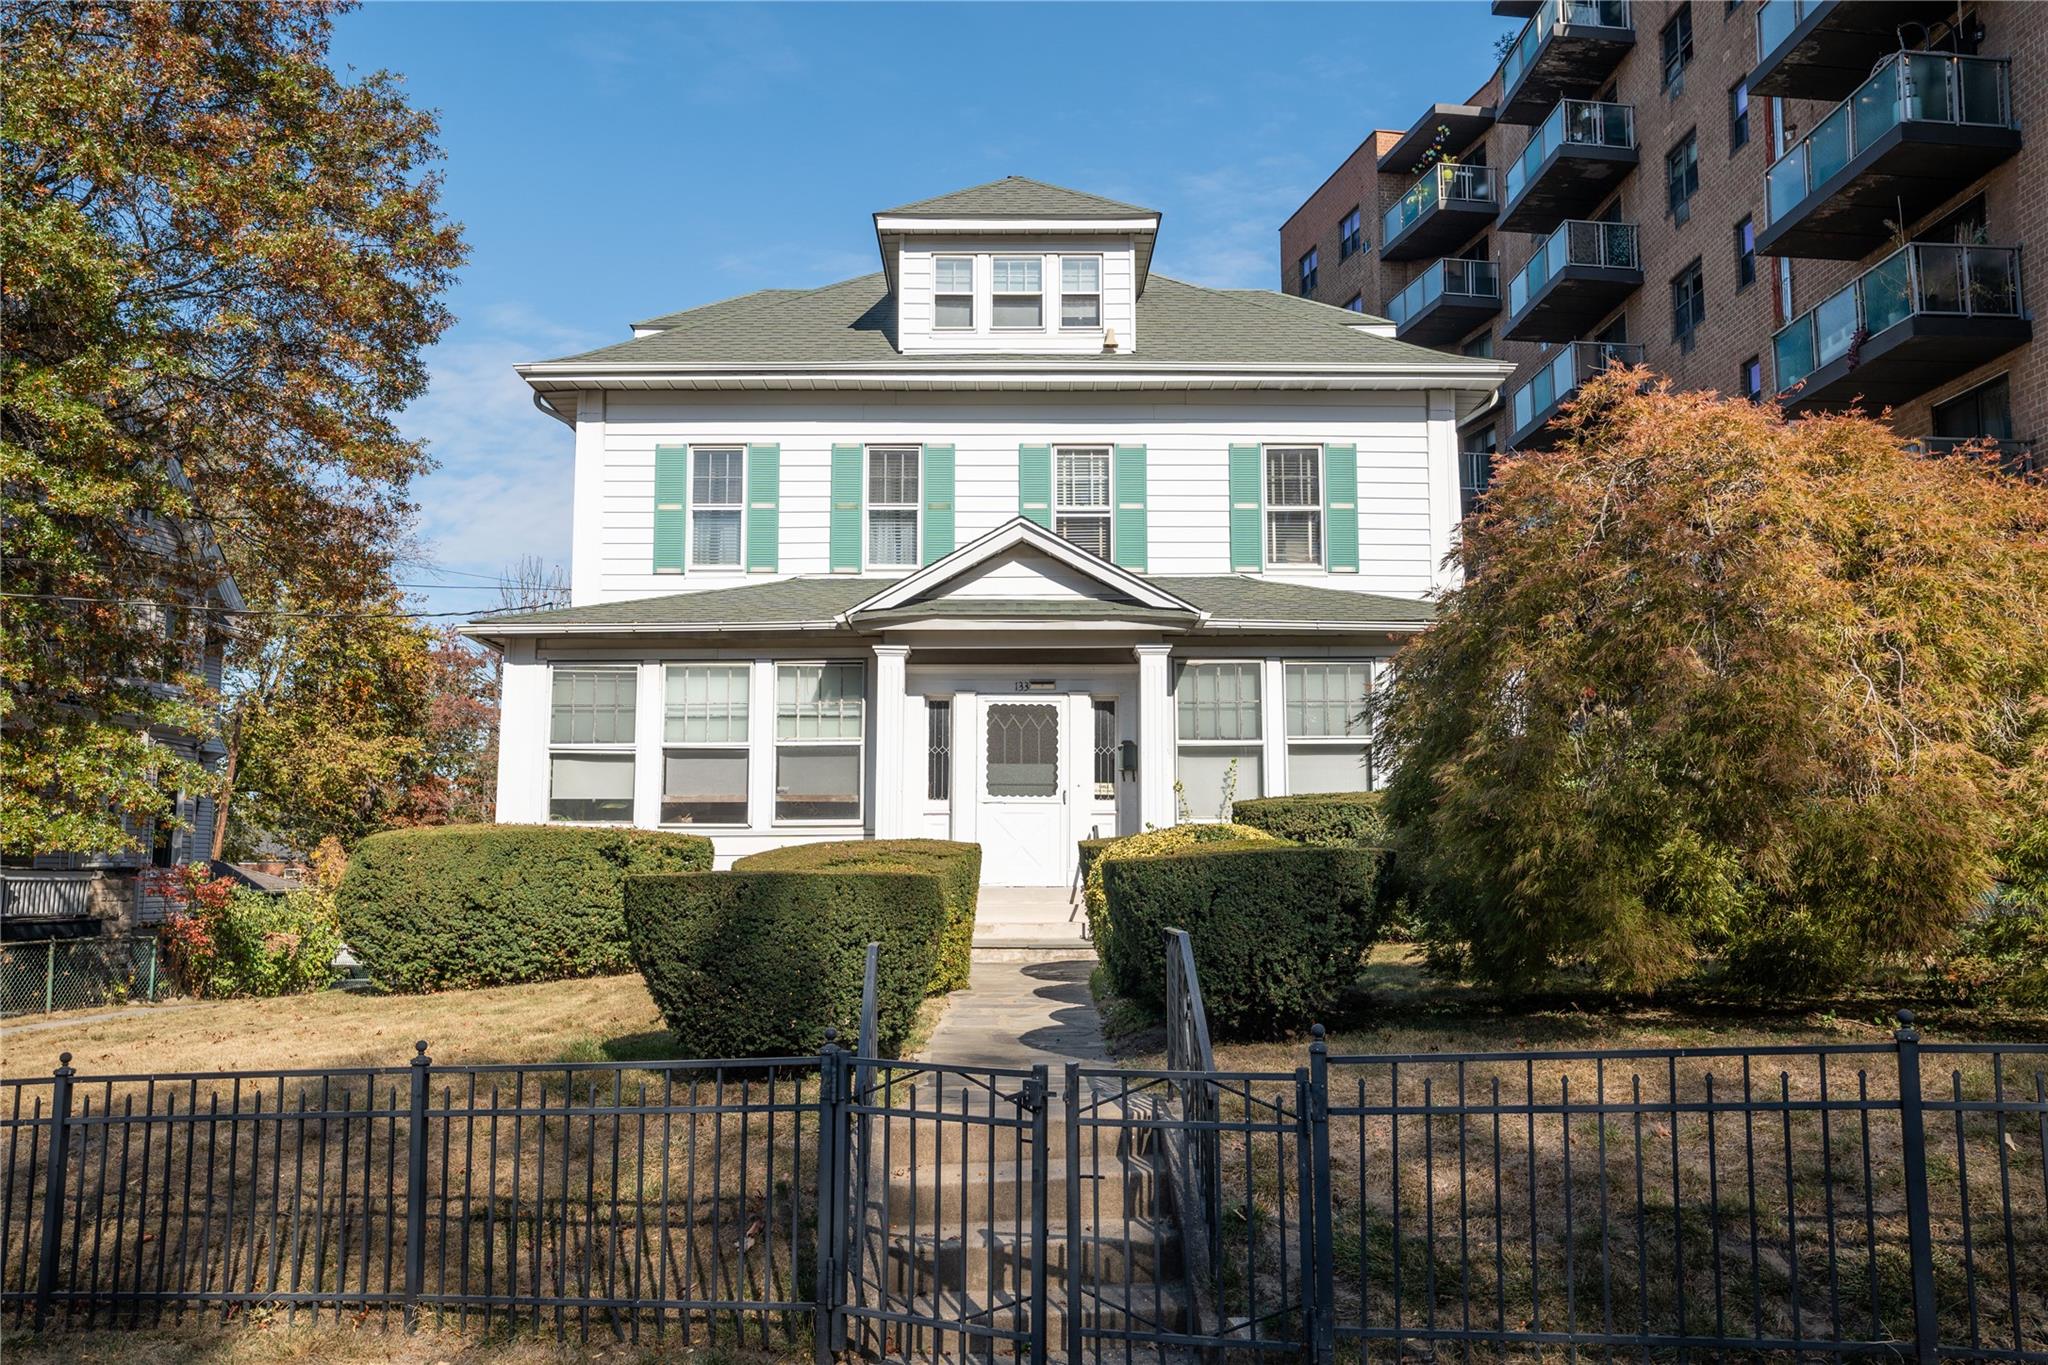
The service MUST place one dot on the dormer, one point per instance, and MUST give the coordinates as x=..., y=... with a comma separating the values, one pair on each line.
x=1016, y=267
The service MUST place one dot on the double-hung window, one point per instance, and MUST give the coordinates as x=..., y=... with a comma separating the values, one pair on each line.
x=1753, y=379
x=819, y=710
x=1738, y=116
x=953, y=293
x=1688, y=304
x=1018, y=291
x=1220, y=756
x=1294, y=506
x=1081, y=497
x=704, y=745
x=1329, y=727
x=1080, y=291
x=1745, y=253
x=1677, y=38
x=1682, y=176
x=590, y=744
x=717, y=493
x=892, y=506
x=1350, y=240
x=1309, y=272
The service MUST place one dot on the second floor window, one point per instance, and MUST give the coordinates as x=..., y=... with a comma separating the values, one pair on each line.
x=1019, y=292
x=717, y=488
x=1677, y=49
x=1080, y=291
x=1688, y=304
x=1081, y=498
x=1294, y=506
x=1350, y=241
x=1745, y=253
x=892, y=506
x=1308, y=272
x=1682, y=176
x=953, y=292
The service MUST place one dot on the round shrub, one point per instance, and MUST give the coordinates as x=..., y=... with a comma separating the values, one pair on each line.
x=1149, y=843
x=1324, y=819
x=1278, y=930
x=957, y=866
x=760, y=964
x=492, y=905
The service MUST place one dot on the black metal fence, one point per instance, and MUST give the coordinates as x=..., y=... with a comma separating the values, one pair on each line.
x=1874, y=1199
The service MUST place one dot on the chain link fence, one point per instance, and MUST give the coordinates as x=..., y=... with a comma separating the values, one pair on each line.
x=64, y=974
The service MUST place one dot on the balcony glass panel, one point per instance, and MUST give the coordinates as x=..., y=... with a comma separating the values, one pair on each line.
x=1571, y=367
x=1578, y=122
x=1576, y=242
x=1601, y=13
x=1477, y=279
x=1436, y=185
x=1928, y=87
x=1775, y=21
x=1920, y=277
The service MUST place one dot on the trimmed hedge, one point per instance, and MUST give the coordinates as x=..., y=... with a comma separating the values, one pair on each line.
x=1324, y=819
x=1279, y=931
x=956, y=865
x=491, y=905
x=1150, y=843
x=1091, y=849
x=760, y=964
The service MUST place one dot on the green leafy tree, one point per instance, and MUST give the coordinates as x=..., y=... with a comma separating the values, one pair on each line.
x=1724, y=690
x=224, y=260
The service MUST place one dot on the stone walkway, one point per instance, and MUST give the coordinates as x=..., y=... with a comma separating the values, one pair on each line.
x=1027, y=999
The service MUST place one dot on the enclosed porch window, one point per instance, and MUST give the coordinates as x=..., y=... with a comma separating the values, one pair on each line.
x=1329, y=727
x=590, y=744
x=820, y=710
x=704, y=737
x=1220, y=761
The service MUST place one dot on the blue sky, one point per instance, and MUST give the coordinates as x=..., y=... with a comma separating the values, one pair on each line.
x=610, y=162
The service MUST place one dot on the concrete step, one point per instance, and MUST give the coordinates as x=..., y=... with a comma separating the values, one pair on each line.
x=1031, y=929
x=940, y=1196
x=1114, y=1252
x=1005, y=951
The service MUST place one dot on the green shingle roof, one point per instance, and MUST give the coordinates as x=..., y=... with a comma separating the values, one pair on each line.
x=811, y=601
x=853, y=323
x=1018, y=197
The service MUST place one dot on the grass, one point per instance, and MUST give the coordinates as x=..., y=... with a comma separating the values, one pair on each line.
x=262, y=1340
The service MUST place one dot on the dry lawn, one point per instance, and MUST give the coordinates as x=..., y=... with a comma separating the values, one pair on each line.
x=263, y=1341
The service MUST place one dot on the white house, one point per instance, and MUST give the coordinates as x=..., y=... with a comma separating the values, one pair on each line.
x=997, y=544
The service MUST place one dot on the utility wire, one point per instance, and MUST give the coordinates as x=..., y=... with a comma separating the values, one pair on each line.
x=263, y=611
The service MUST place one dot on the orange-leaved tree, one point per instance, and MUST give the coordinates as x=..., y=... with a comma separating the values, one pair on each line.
x=1724, y=693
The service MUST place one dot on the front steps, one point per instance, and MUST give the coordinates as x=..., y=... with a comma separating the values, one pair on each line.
x=1030, y=924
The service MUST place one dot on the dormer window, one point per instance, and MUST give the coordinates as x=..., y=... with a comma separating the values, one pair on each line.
x=1019, y=292
x=1080, y=291
x=953, y=293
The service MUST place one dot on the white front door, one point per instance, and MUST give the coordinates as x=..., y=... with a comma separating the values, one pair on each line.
x=1024, y=790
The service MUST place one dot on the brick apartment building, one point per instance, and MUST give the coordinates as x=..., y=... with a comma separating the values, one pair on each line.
x=1820, y=201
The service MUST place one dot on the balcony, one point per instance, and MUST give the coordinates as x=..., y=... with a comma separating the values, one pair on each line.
x=1579, y=275
x=1922, y=127
x=1516, y=9
x=1439, y=213
x=1822, y=49
x=1446, y=301
x=1568, y=47
x=1537, y=401
x=1924, y=315
x=1572, y=162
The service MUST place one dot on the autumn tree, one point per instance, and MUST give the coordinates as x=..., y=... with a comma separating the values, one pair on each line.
x=223, y=263
x=1722, y=691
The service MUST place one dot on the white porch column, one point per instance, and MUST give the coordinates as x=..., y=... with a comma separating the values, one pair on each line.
x=650, y=719
x=1155, y=736
x=523, y=702
x=966, y=720
x=891, y=799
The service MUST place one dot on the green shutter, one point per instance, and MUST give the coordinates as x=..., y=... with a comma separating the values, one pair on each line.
x=764, y=508
x=1245, y=554
x=1127, y=491
x=671, y=509
x=845, y=537
x=1340, y=507
x=938, y=502
x=1034, y=484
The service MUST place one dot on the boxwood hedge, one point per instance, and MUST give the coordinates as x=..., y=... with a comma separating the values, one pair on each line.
x=956, y=865
x=490, y=905
x=1325, y=819
x=1278, y=930
x=760, y=964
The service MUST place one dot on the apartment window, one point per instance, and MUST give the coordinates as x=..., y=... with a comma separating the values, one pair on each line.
x=1688, y=304
x=1745, y=254
x=1308, y=272
x=1350, y=241
x=1753, y=379
x=1784, y=289
x=819, y=712
x=1080, y=291
x=590, y=744
x=892, y=506
x=1985, y=411
x=1682, y=176
x=953, y=293
x=1220, y=757
x=1104, y=710
x=704, y=744
x=717, y=489
x=1677, y=48
x=1480, y=346
x=1738, y=116
x=1018, y=292
x=1294, y=506
x=938, y=749
x=1329, y=727
x=1356, y=303
x=1475, y=467
x=1081, y=498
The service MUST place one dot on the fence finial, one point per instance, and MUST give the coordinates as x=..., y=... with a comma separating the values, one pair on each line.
x=1905, y=1031
x=1317, y=1035
x=63, y=1063
x=831, y=1035
x=420, y=1049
